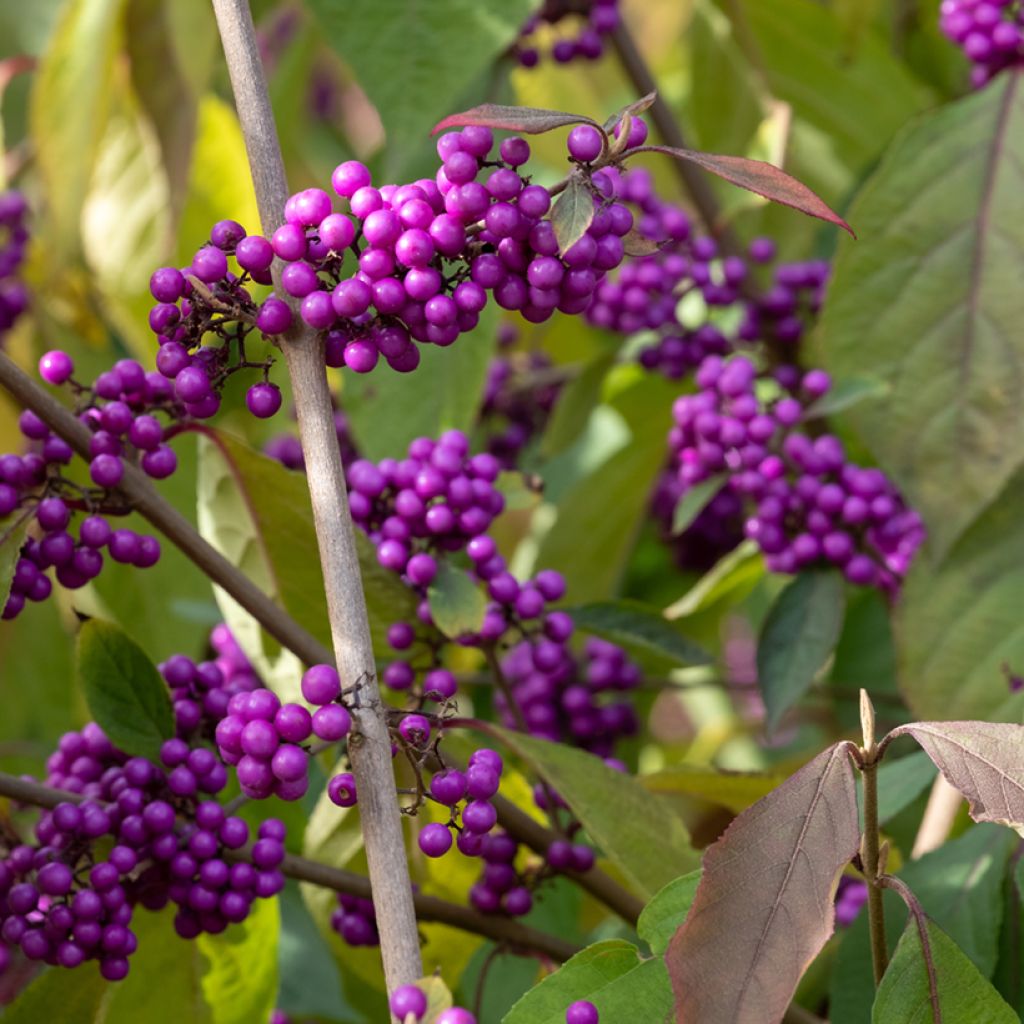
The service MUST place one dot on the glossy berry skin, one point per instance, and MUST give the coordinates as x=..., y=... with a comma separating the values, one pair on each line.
x=435, y=840
x=320, y=684
x=342, y=790
x=585, y=143
x=408, y=999
x=582, y=1012
x=263, y=400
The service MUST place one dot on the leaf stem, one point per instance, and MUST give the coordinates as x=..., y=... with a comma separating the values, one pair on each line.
x=921, y=920
x=869, y=858
x=511, y=934
x=370, y=749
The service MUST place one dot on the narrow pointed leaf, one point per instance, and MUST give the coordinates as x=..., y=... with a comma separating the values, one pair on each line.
x=636, y=829
x=12, y=536
x=664, y=915
x=527, y=120
x=759, y=177
x=764, y=907
x=123, y=689
x=573, y=212
x=799, y=636
x=609, y=974
x=635, y=244
x=904, y=997
x=694, y=501
x=984, y=760
x=457, y=604
x=638, y=625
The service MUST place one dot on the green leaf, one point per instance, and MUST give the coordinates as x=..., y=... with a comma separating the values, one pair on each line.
x=960, y=885
x=401, y=54
x=240, y=979
x=75, y=74
x=664, y=915
x=695, y=500
x=457, y=604
x=733, y=790
x=950, y=650
x=845, y=395
x=573, y=211
x=439, y=998
x=797, y=639
x=609, y=974
x=444, y=393
x=125, y=693
x=59, y=995
x=635, y=829
x=928, y=302
x=525, y=120
x=258, y=514
x=739, y=570
x=574, y=406
x=638, y=625
x=901, y=782
x=964, y=995
x=172, y=47
x=12, y=536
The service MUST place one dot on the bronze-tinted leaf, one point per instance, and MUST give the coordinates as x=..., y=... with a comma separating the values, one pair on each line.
x=757, y=176
x=528, y=120
x=573, y=212
x=984, y=760
x=764, y=907
x=635, y=244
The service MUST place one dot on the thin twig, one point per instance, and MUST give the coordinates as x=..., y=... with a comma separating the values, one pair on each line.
x=694, y=180
x=147, y=501
x=428, y=908
x=370, y=746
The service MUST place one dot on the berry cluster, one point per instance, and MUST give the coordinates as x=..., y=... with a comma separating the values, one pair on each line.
x=355, y=922
x=595, y=19
x=519, y=397
x=207, y=300
x=263, y=738
x=127, y=410
x=13, y=245
x=144, y=833
x=807, y=503
x=439, y=498
x=991, y=33
x=645, y=294
x=426, y=255
x=563, y=698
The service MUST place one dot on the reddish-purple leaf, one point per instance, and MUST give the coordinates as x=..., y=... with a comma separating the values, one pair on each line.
x=528, y=120
x=757, y=176
x=573, y=211
x=763, y=909
x=984, y=760
x=633, y=109
x=635, y=244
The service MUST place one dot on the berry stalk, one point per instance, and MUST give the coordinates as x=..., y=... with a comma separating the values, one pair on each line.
x=370, y=751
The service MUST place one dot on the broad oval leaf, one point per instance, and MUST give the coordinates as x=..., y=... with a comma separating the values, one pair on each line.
x=664, y=915
x=963, y=994
x=638, y=625
x=609, y=974
x=764, y=907
x=12, y=536
x=635, y=829
x=573, y=211
x=759, y=177
x=929, y=302
x=457, y=604
x=527, y=120
x=402, y=54
x=123, y=689
x=798, y=637
x=984, y=760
